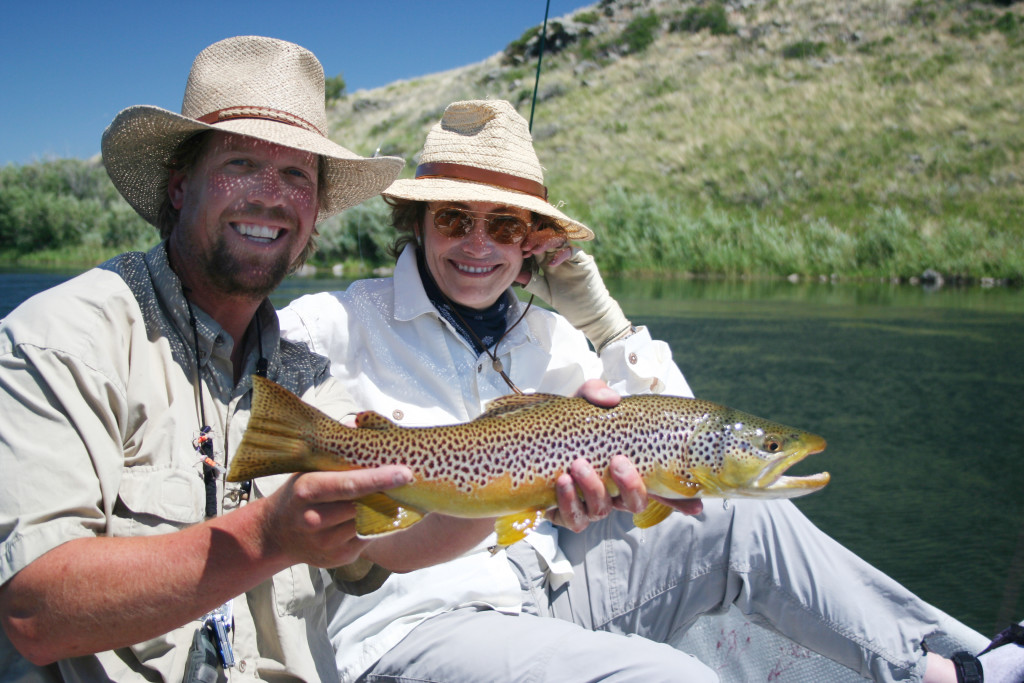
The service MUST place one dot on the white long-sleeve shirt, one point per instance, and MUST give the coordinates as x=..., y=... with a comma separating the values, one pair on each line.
x=391, y=349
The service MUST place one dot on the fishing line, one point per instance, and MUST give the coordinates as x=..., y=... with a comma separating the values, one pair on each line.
x=540, y=58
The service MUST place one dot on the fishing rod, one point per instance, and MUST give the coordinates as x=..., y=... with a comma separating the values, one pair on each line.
x=540, y=58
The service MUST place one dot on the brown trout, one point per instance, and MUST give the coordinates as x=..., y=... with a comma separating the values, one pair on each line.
x=504, y=463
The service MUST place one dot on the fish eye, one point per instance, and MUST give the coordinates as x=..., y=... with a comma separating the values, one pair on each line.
x=772, y=444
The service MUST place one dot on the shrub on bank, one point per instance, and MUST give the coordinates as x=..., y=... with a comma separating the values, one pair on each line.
x=62, y=205
x=644, y=233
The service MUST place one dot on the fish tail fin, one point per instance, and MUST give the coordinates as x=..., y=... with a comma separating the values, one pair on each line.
x=279, y=436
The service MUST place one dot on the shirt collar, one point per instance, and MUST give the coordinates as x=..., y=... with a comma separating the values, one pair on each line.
x=411, y=301
x=169, y=294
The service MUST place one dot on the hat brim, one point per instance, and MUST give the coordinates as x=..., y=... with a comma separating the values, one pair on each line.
x=140, y=141
x=452, y=190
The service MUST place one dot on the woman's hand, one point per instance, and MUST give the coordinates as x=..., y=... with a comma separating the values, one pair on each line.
x=537, y=244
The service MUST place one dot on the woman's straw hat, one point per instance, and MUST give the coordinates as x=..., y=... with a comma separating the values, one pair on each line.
x=259, y=87
x=482, y=151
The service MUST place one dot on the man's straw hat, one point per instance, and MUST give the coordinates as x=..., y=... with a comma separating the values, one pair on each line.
x=482, y=151
x=259, y=87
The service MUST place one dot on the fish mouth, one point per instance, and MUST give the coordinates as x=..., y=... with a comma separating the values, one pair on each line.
x=771, y=478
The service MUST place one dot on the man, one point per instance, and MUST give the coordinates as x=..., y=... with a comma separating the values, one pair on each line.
x=125, y=390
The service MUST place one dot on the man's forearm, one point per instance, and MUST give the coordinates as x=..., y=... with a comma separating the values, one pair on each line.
x=94, y=594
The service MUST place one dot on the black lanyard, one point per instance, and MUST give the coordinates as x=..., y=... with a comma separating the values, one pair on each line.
x=204, y=442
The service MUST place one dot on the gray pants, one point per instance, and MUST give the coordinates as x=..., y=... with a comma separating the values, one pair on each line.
x=635, y=590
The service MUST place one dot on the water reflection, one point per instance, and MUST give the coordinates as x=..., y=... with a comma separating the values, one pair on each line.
x=704, y=292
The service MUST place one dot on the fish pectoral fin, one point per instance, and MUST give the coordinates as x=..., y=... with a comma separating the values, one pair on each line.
x=654, y=513
x=378, y=514
x=371, y=420
x=515, y=527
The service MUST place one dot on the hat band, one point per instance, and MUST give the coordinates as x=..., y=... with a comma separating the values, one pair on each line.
x=259, y=113
x=482, y=175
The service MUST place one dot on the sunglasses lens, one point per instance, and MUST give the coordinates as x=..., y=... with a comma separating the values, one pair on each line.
x=503, y=228
x=506, y=229
x=453, y=222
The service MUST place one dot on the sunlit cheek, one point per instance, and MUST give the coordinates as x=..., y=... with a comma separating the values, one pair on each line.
x=303, y=198
x=226, y=188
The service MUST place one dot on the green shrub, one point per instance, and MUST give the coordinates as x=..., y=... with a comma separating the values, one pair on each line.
x=63, y=204
x=362, y=233
x=334, y=88
x=587, y=18
x=516, y=50
x=640, y=33
x=713, y=18
x=804, y=49
x=1009, y=24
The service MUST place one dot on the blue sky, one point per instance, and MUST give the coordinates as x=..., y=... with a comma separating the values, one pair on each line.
x=67, y=68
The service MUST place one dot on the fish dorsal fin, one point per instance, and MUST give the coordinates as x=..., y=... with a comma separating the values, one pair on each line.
x=371, y=420
x=379, y=514
x=654, y=513
x=516, y=402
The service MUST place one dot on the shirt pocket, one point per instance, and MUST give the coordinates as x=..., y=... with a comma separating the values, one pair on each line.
x=300, y=586
x=296, y=590
x=153, y=500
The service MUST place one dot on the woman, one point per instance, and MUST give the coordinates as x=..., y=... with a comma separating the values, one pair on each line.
x=444, y=336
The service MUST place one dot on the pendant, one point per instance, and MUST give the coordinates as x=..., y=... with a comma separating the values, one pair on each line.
x=497, y=365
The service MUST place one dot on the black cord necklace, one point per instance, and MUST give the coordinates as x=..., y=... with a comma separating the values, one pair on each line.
x=204, y=442
x=495, y=361
x=444, y=305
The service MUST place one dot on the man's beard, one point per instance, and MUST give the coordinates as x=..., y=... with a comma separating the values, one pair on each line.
x=233, y=276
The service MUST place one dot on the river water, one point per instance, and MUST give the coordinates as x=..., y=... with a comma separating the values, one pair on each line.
x=919, y=394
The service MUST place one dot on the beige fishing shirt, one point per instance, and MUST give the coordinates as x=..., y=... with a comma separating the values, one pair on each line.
x=99, y=411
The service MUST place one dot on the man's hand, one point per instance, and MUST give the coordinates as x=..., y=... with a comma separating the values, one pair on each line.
x=165, y=580
x=311, y=518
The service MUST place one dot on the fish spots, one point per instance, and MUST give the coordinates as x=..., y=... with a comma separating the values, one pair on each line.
x=514, y=451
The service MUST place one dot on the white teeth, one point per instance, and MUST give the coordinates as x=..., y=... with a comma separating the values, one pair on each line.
x=261, y=231
x=471, y=269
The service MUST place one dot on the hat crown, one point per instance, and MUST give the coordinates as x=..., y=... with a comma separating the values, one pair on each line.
x=262, y=88
x=261, y=74
x=487, y=134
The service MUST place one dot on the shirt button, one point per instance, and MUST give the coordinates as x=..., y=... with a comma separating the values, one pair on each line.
x=632, y=359
x=219, y=341
x=241, y=666
x=479, y=369
x=397, y=414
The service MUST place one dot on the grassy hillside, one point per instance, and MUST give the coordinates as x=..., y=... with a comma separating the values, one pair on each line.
x=874, y=138
x=756, y=137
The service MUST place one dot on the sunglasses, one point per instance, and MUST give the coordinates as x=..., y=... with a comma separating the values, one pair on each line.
x=504, y=228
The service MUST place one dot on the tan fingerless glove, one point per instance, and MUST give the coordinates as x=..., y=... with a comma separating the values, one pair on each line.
x=575, y=289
